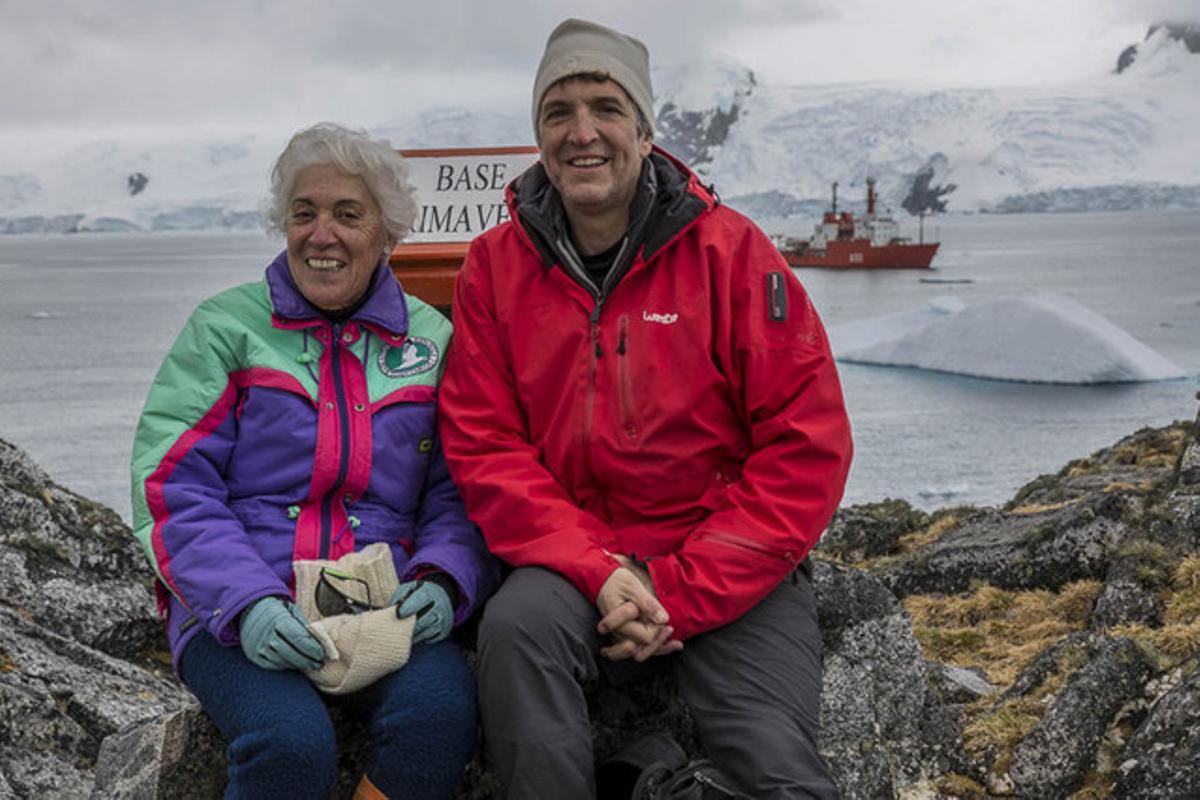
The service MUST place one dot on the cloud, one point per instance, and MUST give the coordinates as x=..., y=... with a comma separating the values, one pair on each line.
x=76, y=64
x=1147, y=11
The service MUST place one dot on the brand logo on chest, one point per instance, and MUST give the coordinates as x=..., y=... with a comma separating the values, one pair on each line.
x=415, y=356
x=661, y=319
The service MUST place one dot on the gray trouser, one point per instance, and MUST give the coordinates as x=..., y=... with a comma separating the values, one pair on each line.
x=753, y=687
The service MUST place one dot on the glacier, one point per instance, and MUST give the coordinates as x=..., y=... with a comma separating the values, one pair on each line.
x=1113, y=141
x=1044, y=338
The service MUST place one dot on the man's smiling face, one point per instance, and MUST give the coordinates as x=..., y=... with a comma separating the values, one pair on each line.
x=591, y=147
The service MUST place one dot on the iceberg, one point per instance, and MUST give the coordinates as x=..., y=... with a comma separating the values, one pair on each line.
x=1044, y=338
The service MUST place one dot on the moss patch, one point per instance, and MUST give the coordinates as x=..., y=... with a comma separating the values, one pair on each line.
x=953, y=785
x=1179, y=637
x=939, y=525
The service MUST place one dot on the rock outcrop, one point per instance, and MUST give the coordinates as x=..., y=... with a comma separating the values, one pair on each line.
x=923, y=194
x=1039, y=650
x=77, y=634
x=1187, y=33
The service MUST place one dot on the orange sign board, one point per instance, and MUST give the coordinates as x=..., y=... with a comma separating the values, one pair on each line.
x=460, y=194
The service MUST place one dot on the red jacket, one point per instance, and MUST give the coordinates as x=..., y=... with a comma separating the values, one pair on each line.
x=693, y=418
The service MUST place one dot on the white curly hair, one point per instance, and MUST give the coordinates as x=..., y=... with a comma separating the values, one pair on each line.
x=381, y=168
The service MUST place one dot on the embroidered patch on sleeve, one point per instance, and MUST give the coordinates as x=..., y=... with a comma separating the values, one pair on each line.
x=776, y=297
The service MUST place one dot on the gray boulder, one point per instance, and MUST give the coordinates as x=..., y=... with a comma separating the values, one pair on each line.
x=869, y=530
x=1052, y=759
x=958, y=685
x=1045, y=664
x=1133, y=587
x=883, y=730
x=1011, y=551
x=1162, y=759
x=59, y=700
x=72, y=580
x=70, y=564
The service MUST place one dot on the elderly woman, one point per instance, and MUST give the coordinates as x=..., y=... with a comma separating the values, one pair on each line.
x=293, y=420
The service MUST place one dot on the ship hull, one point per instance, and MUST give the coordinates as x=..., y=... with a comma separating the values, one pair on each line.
x=859, y=254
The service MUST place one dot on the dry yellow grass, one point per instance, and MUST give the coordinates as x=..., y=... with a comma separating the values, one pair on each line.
x=1096, y=786
x=1000, y=632
x=1041, y=508
x=995, y=630
x=1187, y=574
x=1160, y=452
x=929, y=534
x=1001, y=729
x=1174, y=643
x=1179, y=637
x=1183, y=606
x=960, y=787
x=1125, y=486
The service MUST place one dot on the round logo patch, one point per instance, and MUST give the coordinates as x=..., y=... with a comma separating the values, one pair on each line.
x=415, y=356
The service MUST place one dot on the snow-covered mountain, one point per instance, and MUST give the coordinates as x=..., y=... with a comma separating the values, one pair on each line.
x=1121, y=140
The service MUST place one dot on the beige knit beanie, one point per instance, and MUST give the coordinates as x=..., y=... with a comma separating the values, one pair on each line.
x=577, y=46
x=360, y=648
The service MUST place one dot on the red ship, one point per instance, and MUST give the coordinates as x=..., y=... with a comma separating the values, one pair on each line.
x=841, y=241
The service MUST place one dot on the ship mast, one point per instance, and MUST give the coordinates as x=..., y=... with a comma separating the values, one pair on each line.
x=870, y=198
x=834, y=208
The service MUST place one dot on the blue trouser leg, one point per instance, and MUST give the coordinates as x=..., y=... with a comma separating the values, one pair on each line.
x=280, y=741
x=422, y=720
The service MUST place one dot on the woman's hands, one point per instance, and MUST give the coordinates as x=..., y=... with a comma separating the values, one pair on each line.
x=431, y=604
x=275, y=635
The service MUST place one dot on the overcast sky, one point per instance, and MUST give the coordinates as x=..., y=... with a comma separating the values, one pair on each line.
x=84, y=67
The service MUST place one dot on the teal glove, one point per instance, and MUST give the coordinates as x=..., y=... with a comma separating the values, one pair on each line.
x=275, y=635
x=431, y=604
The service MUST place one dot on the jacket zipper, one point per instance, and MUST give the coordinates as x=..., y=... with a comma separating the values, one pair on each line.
x=590, y=403
x=625, y=379
x=335, y=356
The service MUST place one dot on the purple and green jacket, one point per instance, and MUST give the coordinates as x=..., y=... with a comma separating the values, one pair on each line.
x=271, y=434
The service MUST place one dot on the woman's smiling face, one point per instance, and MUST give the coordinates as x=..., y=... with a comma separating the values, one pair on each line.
x=335, y=237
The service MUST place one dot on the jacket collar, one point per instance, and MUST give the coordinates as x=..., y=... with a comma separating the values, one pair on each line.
x=385, y=306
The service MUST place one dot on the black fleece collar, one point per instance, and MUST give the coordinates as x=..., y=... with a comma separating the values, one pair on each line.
x=662, y=206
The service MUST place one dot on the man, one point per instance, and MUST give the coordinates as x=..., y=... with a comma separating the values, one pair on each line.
x=641, y=411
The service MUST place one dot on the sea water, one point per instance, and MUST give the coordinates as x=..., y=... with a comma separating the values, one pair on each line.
x=86, y=319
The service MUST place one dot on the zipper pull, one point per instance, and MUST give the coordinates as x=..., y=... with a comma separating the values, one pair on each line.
x=621, y=344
